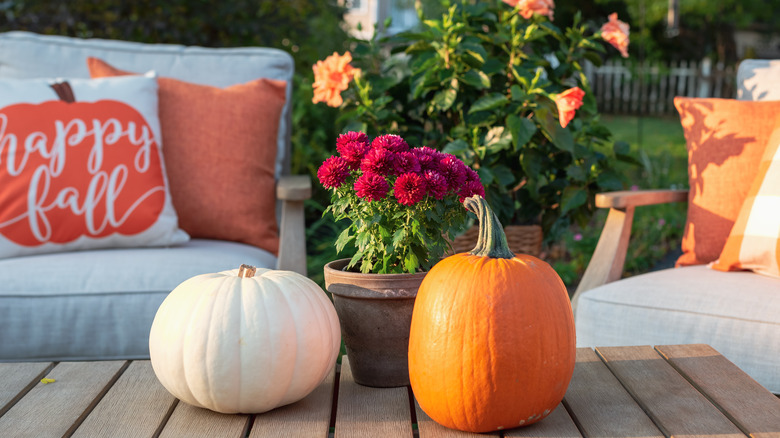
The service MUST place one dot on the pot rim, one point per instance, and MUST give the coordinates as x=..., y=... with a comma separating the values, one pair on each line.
x=378, y=286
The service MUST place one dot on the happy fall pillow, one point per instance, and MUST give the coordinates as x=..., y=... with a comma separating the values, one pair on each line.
x=726, y=139
x=81, y=166
x=220, y=153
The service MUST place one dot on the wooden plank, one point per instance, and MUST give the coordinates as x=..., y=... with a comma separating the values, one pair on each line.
x=137, y=405
x=599, y=403
x=365, y=412
x=56, y=409
x=309, y=417
x=675, y=406
x=556, y=425
x=16, y=379
x=189, y=421
x=743, y=400
x=428, y=428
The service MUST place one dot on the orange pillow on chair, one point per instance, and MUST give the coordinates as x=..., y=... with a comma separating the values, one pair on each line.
x=726, y=139
x=754, y=242
x=219, y=151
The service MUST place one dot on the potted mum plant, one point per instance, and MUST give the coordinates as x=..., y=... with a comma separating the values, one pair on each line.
x=499, y=85
x=401, y=203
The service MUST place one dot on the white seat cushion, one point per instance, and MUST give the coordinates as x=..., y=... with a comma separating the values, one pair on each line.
x=100, y=304
x=737, y=313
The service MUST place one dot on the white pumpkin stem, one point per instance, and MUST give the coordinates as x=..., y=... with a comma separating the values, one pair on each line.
x=246, y=271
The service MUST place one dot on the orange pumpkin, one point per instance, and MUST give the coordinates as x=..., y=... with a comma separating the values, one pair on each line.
x=492, y=343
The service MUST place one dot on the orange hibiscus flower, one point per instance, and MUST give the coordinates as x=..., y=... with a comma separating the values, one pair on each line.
x=530, y=7
x=615, y=32
x=568, y=103
x=331, y=77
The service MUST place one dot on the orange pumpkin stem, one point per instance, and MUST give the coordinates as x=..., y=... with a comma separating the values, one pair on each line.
x=492, y=240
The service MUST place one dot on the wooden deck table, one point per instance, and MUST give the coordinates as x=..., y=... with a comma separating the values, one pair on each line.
x=683, y=390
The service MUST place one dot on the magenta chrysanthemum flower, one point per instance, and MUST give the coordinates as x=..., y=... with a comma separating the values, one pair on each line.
x=407, y=162
x=371, y=187
x=454, y=171
x=391, y=142
x=379, y=161
x=409, y=188
x=472, y=175
x=333, y=172
x=353, y=146
x=428, y=157
x=436, y=184
x=471, y=188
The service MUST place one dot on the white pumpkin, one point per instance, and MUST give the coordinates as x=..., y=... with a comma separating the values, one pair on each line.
x=244, y=341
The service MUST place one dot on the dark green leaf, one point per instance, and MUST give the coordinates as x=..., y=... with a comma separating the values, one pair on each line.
x=533, y=162
x=562, y=138
x=521, y=128
x=476, y=79
x=609, y=180
x=444, y=99
x=504, y=175
x=489, y=102
x=485, y=175
x=621, y=148
x=456, y=147
x=572, y=198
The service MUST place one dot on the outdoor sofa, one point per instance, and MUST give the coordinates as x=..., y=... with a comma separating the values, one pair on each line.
x=99, y=303
x=737, y=313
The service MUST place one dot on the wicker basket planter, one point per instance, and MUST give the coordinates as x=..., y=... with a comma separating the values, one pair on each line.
x=523, y=239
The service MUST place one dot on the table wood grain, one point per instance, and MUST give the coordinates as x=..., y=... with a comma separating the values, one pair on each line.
x=672, y=390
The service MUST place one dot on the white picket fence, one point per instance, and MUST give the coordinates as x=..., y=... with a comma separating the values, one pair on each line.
x=622, y=88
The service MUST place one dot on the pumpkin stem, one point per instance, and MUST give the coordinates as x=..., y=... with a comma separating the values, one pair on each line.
x=246, y=271
x=492, y=240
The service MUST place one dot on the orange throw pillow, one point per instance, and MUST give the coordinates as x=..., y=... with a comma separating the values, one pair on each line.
x=219, y=151
x=726, y=139
x=754, y=242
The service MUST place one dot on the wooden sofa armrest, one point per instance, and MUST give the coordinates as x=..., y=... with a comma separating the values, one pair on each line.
x=608, y=259
x=292, y=190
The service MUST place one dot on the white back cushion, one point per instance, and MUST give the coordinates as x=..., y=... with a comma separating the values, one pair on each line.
x=758, y=79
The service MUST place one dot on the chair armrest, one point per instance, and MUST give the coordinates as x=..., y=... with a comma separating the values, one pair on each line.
x=637, y=198
x=609, y=257
x=292, y=190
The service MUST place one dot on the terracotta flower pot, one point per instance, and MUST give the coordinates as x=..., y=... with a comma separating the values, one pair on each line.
x=375, y=313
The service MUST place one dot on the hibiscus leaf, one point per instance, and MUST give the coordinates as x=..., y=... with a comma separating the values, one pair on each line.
x=477, y=79
x=444, y=99
x=572, y=198
x=522, y=130
x=562, y=138
x=489, y=102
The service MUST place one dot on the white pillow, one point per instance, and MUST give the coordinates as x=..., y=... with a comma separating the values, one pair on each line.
x=84, y=174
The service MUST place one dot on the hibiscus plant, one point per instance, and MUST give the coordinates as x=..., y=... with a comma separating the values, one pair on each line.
x=499, y=85
x=403, y=203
